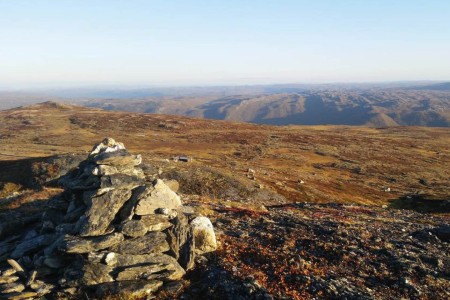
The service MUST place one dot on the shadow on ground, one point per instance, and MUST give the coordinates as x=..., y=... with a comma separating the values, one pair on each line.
x=421, y=203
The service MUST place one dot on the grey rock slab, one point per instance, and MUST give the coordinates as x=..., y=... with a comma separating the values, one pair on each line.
x=181, y=241
x=96, y=273
x=21, y=296
x=74, y=244
x=150, y=243
x=117, y=158
x=105, y=170
x=12, y=288
x=8, y=279
x=9, y=272
x=101, y=211
x=158, y=196
x=133, y=288
x=127, y=210
x=49, y=250
x=156, y=222
x=16, y=224
x=119, y=181
x=140, y=272
x=33, y=244
x=79, y=184
x=161, y=260
x=73, y=216
x=133, y=228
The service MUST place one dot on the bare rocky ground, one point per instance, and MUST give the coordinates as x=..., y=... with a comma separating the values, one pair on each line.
x=325, y=251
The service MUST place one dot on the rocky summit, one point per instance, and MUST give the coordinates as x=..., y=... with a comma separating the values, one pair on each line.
x=112, y=230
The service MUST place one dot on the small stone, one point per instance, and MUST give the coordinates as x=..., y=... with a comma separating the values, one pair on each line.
x=111, y=259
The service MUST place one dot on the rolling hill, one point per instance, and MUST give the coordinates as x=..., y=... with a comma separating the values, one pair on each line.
x=376, y=108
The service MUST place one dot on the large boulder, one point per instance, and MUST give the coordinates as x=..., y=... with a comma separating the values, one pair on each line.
x=157, y=196
x=204, y=236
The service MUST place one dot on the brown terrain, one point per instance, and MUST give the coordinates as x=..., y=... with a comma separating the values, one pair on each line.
x=301, y=212
x=368, y=107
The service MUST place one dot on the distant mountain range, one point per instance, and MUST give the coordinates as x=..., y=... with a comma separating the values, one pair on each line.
x=378, y=108
x=382, y=105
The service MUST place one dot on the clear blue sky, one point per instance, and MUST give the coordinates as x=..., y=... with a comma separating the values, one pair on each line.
x=168, y=42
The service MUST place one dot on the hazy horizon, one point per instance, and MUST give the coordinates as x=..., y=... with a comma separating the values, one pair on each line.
x=146, y=44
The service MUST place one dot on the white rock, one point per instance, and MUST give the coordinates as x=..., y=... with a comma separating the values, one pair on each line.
x=107, y=145
x=111, y=259
x=205, y=238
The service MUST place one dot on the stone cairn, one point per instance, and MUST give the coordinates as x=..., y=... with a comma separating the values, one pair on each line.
x=109, y=232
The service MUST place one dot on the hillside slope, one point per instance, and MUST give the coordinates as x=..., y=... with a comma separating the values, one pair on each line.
x=335, y=163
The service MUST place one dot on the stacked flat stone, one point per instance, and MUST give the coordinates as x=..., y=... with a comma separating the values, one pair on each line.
x=111, y=231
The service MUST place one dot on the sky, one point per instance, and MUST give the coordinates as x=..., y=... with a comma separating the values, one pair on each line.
x=62, y=43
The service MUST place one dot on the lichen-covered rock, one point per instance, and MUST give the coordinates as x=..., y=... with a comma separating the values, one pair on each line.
x=74, y=244
x=156, y=222
x=181, y=241
x=153, y=242
x=101, y=211
x=166, y=262
x=205, y=238
x=158, y=196
x=96, y=273
x=134, y=228
x=133, y=288
x=118, y=158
